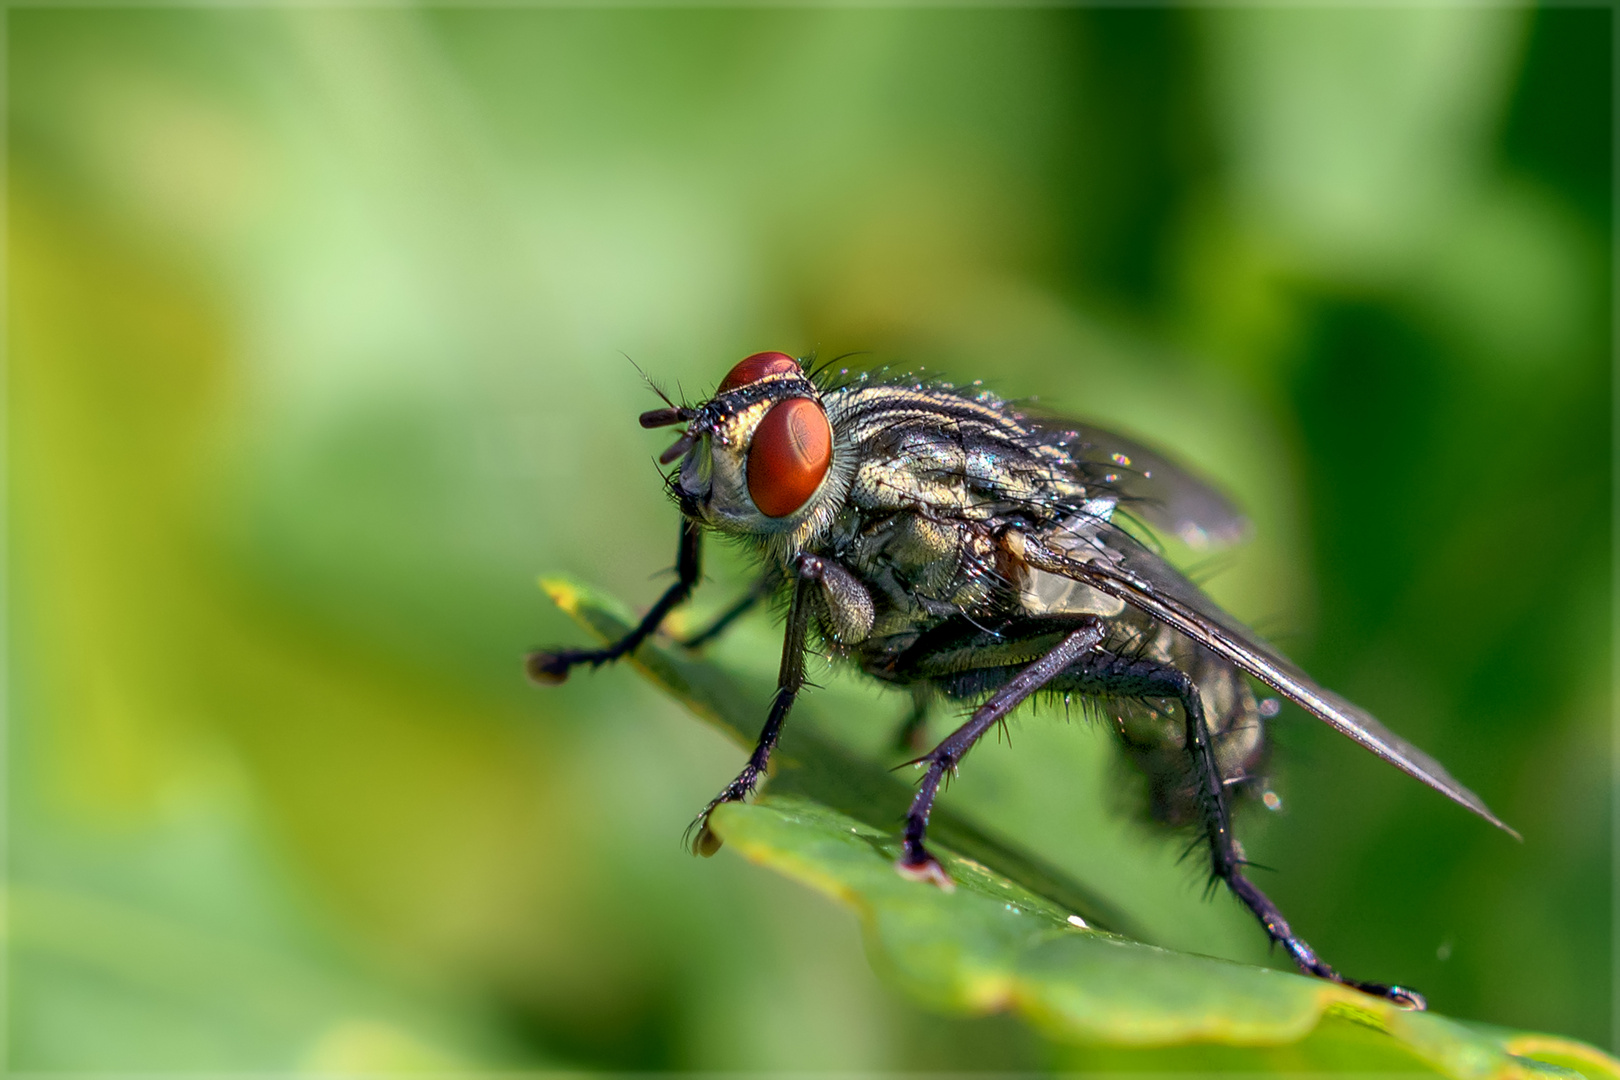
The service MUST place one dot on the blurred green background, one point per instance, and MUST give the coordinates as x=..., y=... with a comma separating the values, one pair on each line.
x=315, y=332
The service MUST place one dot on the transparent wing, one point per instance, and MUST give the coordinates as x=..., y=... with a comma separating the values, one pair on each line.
x=1117, y=565
x=1165, y=496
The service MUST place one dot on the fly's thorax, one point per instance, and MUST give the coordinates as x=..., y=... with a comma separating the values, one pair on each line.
x=920, y=570
x=763, y=461
x=910, y=457
x=947, y=454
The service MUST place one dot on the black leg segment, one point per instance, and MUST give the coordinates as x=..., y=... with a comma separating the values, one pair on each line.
x=1107, y=675
x=915, y=860
x=763, y=587
x=549, y=667
x=789, y=679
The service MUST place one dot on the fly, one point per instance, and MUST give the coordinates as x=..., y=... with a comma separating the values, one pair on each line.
x=944, y=541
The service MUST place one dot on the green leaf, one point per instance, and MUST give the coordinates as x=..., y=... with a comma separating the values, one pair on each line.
x=1018, y=935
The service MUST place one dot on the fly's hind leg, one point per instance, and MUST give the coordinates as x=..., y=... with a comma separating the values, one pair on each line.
x=915, y=859
x=1124, y=677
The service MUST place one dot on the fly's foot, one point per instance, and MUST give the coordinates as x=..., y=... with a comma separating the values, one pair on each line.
x=700, y=839
x=1407, y=998
x=704, y=840
x=1311, y=964
x=1302, y=954
x=1400, y=996
x=1403, y=996
x=550, y=668
x=546, y=668
x=918, y=865
x=707, y=841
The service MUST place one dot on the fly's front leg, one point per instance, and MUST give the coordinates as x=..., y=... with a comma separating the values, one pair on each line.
x=788, y=681
x=549, y=667
x=915, y=859
x=758, y=591
x=1227, y=864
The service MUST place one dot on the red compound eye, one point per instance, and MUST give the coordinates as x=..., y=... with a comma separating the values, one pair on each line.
x=756, y=367
x=790, y=454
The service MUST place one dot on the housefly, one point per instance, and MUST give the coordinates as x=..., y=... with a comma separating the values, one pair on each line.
x=942, y=540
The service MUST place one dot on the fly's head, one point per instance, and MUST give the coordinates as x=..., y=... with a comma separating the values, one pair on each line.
x=760, y=458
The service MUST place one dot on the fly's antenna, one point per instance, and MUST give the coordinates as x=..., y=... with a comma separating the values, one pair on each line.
x=657, y=418
x=648, y=379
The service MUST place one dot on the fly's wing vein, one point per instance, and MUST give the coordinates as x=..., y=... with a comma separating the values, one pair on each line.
x=1221, y=636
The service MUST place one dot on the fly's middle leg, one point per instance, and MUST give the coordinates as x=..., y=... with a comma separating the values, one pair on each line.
x=914, y=728
x=915, y=859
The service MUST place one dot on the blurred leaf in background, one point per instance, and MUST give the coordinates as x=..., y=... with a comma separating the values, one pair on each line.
x=314, y=361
